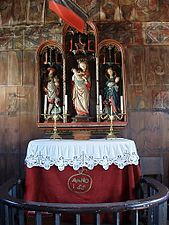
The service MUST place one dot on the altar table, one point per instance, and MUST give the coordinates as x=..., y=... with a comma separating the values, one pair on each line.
x=81, y=171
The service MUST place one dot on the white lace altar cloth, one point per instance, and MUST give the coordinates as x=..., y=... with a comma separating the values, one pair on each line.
x=81, y=153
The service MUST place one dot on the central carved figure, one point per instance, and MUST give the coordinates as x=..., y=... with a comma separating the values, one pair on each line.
x=81, y=88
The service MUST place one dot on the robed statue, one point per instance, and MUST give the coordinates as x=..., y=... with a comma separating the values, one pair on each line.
x=81, y=88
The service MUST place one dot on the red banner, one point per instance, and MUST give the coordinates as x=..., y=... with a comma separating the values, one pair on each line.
x=70, y=12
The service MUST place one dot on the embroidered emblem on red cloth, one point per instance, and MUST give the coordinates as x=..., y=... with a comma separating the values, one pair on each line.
x=80, y=183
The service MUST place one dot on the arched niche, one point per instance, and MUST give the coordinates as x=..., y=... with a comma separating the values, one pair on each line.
x=81, y=48
x=51, y=81
x=112, y=88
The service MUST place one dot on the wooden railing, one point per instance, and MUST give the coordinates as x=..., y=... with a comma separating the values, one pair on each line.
x=149, y=207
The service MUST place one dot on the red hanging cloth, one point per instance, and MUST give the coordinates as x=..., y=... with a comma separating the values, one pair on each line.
x=70, y=12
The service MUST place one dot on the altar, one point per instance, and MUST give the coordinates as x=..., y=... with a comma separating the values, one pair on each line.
x=81, y=171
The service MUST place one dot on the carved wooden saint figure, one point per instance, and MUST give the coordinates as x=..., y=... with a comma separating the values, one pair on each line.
x=52, y=90
x=111, y=91
x=81, y=88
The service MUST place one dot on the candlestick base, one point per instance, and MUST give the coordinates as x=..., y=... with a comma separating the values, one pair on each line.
x=110, y=135
x=55, y=136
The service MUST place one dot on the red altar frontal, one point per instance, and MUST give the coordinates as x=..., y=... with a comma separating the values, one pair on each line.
x=81, y=171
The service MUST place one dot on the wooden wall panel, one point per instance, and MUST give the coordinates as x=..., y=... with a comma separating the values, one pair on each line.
x=135, y=65
x=116, y=31
x=4, y=68
x=135, y=129
x=9, y=137
x=11, y=99
x=3, y=168
x=36, y=10
x=135, y=97
x=33, y=11
x=19, y=11
x=2, y=101
x=135, y=74
x=156, y=65
x=29, y=130
x=3, y=134
x=28, y=116
x=12, y=166
x=150, y=132
x=15, y=68
x=9, y=165
x=11, y=125
x=164, y=131
x=148, y=101
x=12, y=135
x=27, y=100
x=28, y=68
x=9, y=122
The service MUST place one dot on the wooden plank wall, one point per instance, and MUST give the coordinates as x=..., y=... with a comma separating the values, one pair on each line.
x=27, y=24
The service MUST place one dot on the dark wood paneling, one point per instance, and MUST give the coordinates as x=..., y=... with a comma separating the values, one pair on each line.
x=3, y=135
x=11, y=100
x=11, y=137
x=27, y=100
x=135, y=65
x=117, y=31
x=156, y=65
x=19, y=11
x=4, y=68
x=29, y=129
x=3, y=168
x=12, y=165
x=2, y=100
x=36, y=11
x=15, y=68
x=28, y=68
x=9, y=166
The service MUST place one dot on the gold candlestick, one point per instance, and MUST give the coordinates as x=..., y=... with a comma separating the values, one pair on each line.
x=112, y=116
x=111, y=132
x=55, y=134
